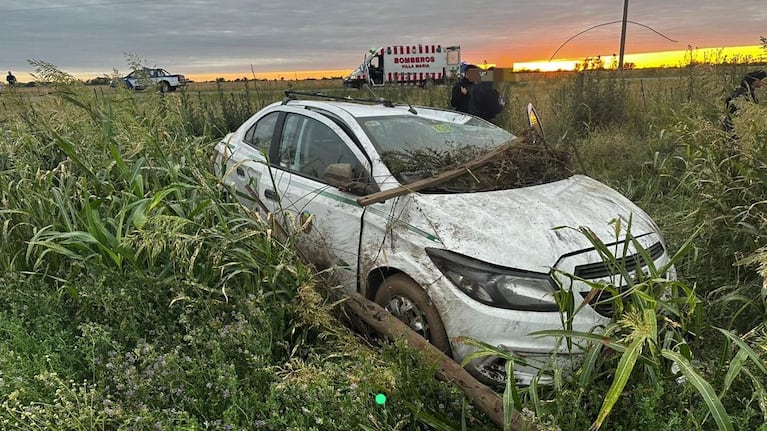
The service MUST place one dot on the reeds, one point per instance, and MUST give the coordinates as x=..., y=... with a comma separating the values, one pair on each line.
x=135, y=293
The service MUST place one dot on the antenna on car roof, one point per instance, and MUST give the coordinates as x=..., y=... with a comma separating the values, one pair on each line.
x=294, y=94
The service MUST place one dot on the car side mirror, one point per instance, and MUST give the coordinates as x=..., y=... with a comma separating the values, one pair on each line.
x=341, y=175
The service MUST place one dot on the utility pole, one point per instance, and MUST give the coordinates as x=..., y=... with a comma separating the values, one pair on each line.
x=623, y=34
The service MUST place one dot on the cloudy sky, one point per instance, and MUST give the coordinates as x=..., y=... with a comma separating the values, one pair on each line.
x=88, y=38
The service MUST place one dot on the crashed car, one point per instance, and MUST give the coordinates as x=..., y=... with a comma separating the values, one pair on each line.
x=444, y=219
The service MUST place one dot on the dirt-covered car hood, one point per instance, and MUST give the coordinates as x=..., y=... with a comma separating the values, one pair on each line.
x=515, y=228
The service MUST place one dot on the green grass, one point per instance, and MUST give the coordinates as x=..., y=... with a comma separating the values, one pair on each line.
x=136, y=295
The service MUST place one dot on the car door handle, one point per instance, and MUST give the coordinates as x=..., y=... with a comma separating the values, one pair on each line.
x=271, y=194
x=240, y=171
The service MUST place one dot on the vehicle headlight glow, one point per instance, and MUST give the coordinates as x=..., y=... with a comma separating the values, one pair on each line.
x=495, y=285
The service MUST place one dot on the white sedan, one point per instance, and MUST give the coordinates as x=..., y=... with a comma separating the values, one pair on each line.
x=443, y=218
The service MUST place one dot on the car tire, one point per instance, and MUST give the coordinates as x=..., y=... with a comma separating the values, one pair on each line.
x=405, y=300
x=164, y=86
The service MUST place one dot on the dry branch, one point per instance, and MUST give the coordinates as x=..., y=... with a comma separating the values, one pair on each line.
x=441, y=178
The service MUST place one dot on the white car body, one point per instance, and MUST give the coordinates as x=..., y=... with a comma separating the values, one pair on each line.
x=164, y=80
x=504, y=229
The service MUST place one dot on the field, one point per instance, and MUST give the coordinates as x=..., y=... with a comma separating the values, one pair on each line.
x=137, y=295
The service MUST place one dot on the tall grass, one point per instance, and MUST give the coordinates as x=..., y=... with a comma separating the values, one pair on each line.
x=136, y=295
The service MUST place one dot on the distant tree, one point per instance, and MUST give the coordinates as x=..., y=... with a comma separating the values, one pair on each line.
x=99, y=80
x=598, y=63
x=590, y=63
x=220, y=79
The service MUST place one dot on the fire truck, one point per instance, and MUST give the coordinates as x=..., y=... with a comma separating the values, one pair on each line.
x=421, y=64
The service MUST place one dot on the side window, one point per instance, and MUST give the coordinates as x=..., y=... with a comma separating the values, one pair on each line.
x=293, y=132
x=453, y=56
x=375, y=62
x=308, y=147
x=260, y=134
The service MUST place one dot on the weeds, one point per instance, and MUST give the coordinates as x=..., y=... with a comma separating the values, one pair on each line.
x=136, y=295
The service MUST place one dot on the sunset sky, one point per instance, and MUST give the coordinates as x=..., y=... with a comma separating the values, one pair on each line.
x=205, y=39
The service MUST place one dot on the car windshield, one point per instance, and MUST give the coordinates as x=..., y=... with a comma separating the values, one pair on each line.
x=416, y=147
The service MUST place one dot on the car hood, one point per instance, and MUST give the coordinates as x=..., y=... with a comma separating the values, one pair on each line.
x=515, y=228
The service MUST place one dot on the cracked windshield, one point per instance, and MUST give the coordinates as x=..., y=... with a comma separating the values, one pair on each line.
x=416, y=147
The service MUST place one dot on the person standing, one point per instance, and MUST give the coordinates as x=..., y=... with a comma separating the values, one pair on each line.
x=461, y=93
x=485, y=101
x=745, y=91
x=10, y=79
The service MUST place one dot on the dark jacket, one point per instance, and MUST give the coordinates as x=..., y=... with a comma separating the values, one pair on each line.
x=485, y=102
x=458, y=100
x=744, y=92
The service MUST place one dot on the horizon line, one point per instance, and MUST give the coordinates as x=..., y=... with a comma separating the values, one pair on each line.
x=641, y=60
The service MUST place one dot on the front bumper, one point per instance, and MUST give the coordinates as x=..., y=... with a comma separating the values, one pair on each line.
x=508, y=330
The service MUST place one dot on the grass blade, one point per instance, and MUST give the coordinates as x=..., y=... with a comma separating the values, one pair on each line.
x=511, y=399
x=745, y=348
x=704, y=389
x=622, y=374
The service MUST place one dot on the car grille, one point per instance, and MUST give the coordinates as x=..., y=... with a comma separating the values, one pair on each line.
x=602, y=302
x=631, y=263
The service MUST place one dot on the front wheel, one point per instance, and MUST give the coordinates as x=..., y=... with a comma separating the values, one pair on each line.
x=405, y=300
x=164, y=86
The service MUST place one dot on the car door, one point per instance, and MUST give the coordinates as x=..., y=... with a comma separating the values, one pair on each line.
x=130, y=80
x=247, y=164
x=324, y=221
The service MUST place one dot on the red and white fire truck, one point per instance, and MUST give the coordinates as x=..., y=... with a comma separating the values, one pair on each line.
x=415, y=64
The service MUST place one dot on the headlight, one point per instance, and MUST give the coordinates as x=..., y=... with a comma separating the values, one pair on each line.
x=495, y=285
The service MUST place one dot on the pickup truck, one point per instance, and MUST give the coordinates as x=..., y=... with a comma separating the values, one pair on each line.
x=142, y=78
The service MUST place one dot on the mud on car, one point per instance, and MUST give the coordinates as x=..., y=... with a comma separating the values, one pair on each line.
x=444, y=219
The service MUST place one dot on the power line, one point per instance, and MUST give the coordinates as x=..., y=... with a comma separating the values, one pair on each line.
x=33, y=9
x=608, y=23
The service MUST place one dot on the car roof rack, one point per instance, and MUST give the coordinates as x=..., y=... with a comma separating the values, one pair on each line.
x=294, y=95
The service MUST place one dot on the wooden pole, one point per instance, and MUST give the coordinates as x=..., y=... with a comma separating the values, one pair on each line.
x=623, y=34
x=480, y=395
